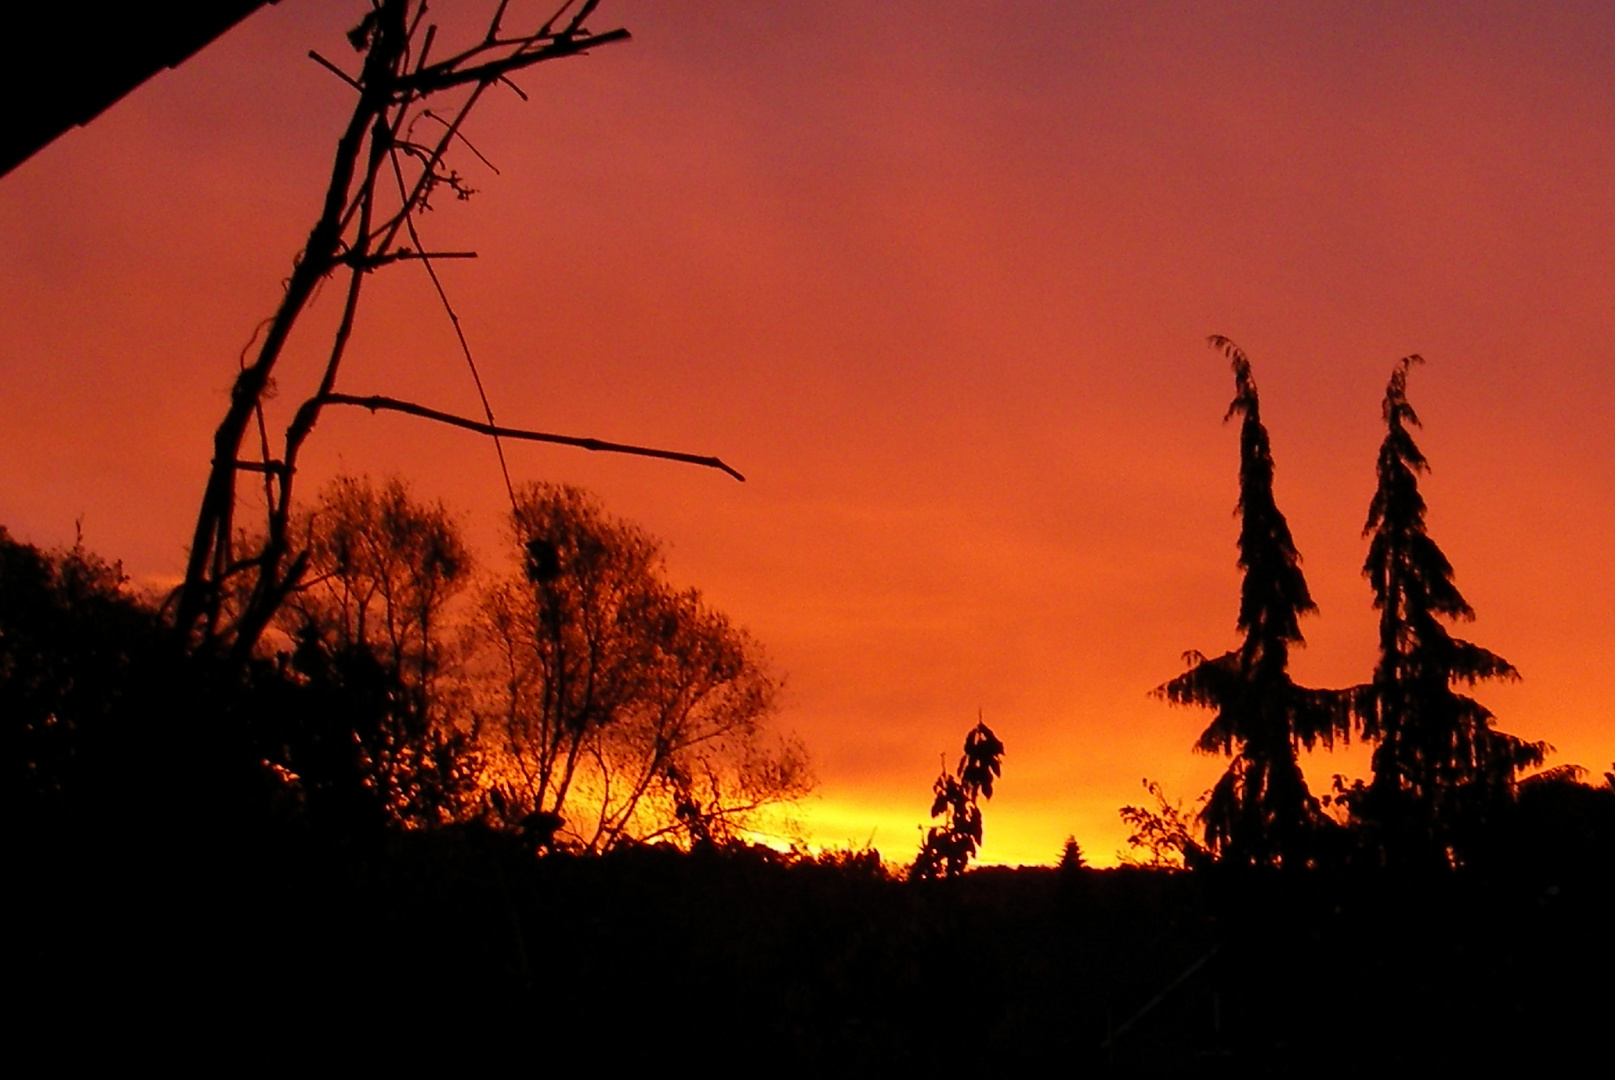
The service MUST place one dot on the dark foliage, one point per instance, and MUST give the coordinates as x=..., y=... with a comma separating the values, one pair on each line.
x=163, y=877
x=949, y=847
x=73, y=644
x=1260, y=813
x=109, y=728
x=1441, y=771
x=749, y=958
x=342, y=735
x=369, y=627
x=1161, y=837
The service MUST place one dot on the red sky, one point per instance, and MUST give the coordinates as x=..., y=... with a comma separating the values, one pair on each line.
x=937, y=278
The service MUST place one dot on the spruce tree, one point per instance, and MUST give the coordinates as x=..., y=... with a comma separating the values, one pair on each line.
x=1260, y=813
x=1440, y=769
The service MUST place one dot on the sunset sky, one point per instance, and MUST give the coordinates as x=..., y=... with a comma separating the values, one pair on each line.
x=937, y=279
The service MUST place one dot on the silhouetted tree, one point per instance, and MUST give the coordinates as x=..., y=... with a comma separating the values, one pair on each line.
x=1260, y=813
x=382, y=571
x=74, y=643
x=625, y=709
x=370, y=626
x=949, y=847
x=1440, y=768
x=103, y=725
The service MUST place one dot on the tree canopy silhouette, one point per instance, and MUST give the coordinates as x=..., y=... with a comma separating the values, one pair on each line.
x=625, y=709
x=1440, y=767
x=1260, y=813
x=372, y=638
x=73, y=644
x=382, y=570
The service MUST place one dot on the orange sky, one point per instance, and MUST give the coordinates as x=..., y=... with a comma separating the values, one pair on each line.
x=937, y=279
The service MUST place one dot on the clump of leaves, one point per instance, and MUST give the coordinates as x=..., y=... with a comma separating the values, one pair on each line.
x=949, y=847
x=1162, y=838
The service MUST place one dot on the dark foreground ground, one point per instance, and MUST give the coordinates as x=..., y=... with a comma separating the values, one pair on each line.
x=170, y=903
x=457, y=946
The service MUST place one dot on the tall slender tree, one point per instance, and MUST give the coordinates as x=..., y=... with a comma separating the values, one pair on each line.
x=1440, y=768
x=949, y=847
x=1260, y=813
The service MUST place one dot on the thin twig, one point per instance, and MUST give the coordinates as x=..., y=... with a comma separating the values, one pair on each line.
x=428, y=114
x=426, y=46
x=333, y=69
x=496, y=21
x=447, y=74
x=459, y=333
x=372, y=262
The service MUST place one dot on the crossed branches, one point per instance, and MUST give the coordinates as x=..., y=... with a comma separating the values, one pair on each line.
x=384, y=175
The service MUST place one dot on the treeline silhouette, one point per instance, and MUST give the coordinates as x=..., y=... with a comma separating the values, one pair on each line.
x=353, y=837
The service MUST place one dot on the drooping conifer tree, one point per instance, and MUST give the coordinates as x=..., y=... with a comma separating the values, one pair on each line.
x=1440, y=768
x=1260, y=813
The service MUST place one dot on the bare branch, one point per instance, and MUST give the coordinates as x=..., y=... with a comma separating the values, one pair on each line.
x=428, y=114
x=448, y=73
x=356, y=234
x=459, y=331
x=519, y=91
x=333, y=69
x=371, y=262
x=376, y=402
x=277, y=468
